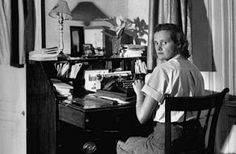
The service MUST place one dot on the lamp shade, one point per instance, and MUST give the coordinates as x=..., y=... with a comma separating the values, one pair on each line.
x=61, y=7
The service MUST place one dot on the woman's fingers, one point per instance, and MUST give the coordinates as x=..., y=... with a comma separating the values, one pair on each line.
x=138, y=84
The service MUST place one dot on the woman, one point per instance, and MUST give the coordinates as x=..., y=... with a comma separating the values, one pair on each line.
x=176, y=76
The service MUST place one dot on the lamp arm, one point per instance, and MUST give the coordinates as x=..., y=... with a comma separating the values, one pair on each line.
x=61, y=45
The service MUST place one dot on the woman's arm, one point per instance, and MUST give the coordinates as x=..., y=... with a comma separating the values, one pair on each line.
x=145, y=105
x=145, y=109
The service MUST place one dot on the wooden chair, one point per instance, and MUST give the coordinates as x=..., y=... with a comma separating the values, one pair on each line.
x=212, y=103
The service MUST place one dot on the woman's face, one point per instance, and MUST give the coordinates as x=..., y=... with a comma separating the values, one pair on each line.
x=164, y=45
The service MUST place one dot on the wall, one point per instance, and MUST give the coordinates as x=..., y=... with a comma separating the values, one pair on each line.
x=12, y=106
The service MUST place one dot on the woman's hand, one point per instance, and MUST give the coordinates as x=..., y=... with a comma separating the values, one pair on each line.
x=137, y=86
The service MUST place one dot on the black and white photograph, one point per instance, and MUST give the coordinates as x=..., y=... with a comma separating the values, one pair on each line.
x=117, y=77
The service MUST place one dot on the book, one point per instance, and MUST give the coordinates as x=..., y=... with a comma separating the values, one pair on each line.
x=62, y=88
x=44, y=54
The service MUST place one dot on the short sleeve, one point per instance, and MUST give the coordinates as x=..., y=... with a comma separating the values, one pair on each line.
x=157, y=84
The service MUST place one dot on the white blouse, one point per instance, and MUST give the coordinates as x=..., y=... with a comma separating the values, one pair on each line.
x=177, y=77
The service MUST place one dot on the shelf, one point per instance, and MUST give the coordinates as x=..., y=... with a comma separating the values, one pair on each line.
x=79, y=59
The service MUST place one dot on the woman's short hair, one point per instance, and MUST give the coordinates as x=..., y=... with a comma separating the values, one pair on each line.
x=177, y=36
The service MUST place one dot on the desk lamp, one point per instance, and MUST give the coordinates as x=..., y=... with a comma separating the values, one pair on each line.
x=62, y=12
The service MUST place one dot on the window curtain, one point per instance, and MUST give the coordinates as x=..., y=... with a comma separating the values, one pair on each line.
x=5, y=24
x=17, y=31
x=168, y=11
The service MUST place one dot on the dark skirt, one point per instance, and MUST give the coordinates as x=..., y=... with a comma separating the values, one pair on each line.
x=153, y=144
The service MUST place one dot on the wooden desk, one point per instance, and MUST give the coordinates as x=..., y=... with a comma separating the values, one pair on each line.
x=45, y=113
x=102, y=126
x=109, y=118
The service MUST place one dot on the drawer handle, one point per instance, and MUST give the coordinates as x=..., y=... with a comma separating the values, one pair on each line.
x=89, y=147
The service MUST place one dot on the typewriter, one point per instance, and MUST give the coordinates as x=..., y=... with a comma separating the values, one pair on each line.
x=120, y=84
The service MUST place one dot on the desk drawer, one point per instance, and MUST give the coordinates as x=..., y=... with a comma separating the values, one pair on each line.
x=110, y=119
x=71, y=115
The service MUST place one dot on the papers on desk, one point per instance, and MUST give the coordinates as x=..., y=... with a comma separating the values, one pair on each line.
x=62, y=88
x=93, y=101
x=119, y=101
x=118, y=96
x=44, y=54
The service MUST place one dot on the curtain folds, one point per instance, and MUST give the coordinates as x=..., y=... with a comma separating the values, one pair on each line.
x=5, y=31
x=30, y=25
x=17, y=31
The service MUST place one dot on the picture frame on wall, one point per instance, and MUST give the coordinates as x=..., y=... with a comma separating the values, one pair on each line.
x=77, y=40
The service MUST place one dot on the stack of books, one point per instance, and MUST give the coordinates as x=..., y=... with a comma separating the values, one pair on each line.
x=44, y=54
x=134, y=50
x=63, y=89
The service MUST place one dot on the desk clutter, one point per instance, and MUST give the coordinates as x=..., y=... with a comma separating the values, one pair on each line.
x=67, y=70
x=131, y=50
x=115, y=90
x=62, y=89
x=93, y=101
x=74, y=83
x=94, y=82
x=52, y=53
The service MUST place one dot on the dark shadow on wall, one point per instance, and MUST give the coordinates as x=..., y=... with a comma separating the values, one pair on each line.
x=202, y=48
x=87, y=12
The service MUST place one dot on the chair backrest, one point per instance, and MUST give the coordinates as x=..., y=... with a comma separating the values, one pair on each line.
x=212, y=103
